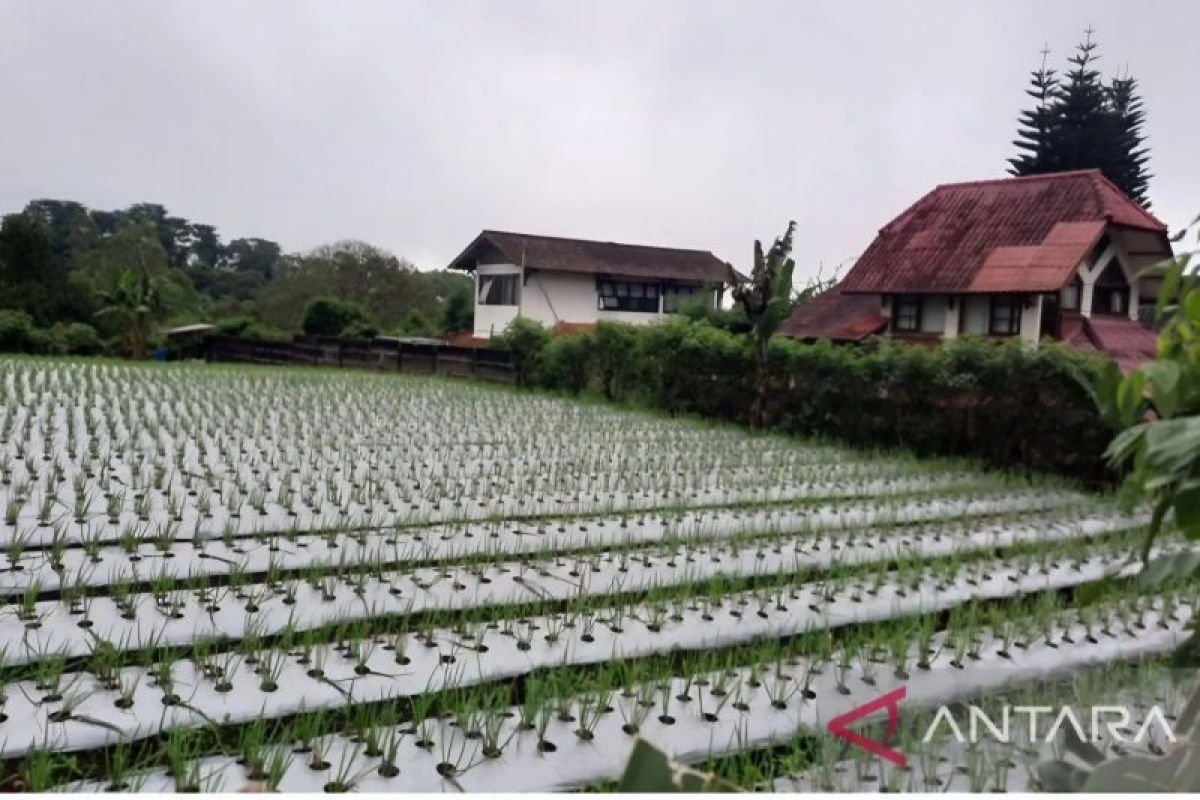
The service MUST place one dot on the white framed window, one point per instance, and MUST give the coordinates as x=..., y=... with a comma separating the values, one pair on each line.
x=636, y=296
x=498, y=290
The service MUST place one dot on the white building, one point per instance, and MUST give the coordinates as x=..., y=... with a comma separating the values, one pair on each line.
x=575, y=282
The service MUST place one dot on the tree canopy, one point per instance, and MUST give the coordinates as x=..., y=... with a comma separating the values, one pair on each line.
x=119, y=276
x=1080, y=121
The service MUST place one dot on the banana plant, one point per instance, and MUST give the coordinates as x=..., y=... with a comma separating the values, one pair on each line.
x=1157, y=408
x=766, y=299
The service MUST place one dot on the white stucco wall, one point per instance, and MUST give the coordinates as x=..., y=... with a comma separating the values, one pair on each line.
x=553, y=297
x=550, y=298
x=1031, y=319
x=950, y=328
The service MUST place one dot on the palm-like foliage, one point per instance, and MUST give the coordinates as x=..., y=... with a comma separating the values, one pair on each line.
x=133, y=303
x=766, y=299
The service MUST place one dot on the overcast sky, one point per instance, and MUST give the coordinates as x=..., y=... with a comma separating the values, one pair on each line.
x=414, y=125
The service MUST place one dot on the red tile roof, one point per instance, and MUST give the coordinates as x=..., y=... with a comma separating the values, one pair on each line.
x=466, y=339
x=837, y=316
x=1127, y=341
x=601, y=258
x=992, y=235
x=1044, y=267
x=564, y=327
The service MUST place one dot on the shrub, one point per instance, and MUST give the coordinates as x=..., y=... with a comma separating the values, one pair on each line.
x=77, y=338
x=524, y=339
x=16, y=331
x=330, y=316
x=249, y=328
x=44, y=342
x=612, y=347
x=414, y=323
x=359, y=329
x=262, y=330
x=563, y=363
x=1004, y=403
x=234, y=326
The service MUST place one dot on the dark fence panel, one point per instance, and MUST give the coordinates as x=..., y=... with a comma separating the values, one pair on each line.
x=379, y=354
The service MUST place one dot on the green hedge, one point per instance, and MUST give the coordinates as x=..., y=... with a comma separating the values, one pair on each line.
x=1007, y=404
x=18, y=334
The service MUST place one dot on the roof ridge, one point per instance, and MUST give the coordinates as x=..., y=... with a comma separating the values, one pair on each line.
x=1041, y=176
x=1104, y=179
x=487, y=231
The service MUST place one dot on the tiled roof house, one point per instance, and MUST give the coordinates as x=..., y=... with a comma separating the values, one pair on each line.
x=1055, y=255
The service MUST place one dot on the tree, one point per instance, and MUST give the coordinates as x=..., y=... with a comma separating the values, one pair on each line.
x=414, y=323
x=458, y=309
x=384, y=285
x=1082, y=123
x=259, y=256
x=331, y=316
x=1130, y=163
x=766, y=300
x=134, y=303
x=1034, y=125
x=132, y=287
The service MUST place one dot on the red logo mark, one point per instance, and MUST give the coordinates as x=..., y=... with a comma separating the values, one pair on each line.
x=840, y=725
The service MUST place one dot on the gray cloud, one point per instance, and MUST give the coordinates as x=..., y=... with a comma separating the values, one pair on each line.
x=413, y=125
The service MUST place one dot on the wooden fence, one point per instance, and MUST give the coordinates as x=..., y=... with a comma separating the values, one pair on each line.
x=380, y=354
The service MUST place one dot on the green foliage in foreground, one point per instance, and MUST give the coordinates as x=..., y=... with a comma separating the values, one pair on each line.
x=1158, y=405
x=651, y=770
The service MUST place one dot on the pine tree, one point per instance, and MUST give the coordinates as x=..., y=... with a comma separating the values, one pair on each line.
x=1081, y=118
x=1129, y=169
x=1033, y=131
x=1079, y=122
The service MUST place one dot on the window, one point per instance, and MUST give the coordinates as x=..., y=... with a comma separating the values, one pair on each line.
x=1006, y=315
x=675, y=297
x=628, y=296
x=1110, y=301
x=498, y=290
x=1111, y=295
x=906, y=313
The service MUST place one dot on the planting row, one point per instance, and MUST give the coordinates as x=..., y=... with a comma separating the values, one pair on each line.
x=47, y=522
x=170, y=614
x=87, y=709
x=944, y=756
x=553, y=744
x=207, y=448
x=96, y=564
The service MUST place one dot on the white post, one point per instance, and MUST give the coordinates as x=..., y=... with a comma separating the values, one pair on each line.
x=1031, y=319
x=1085, y=295
x=953, y=309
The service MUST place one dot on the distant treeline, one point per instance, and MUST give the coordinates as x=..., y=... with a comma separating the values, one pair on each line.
x=74, y=279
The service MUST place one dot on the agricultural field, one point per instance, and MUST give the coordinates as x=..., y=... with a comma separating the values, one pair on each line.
x=218, y=578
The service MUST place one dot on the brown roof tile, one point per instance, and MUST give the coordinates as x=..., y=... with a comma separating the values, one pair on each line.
x=991, y=232
x=837, y=316
x=592, y=257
